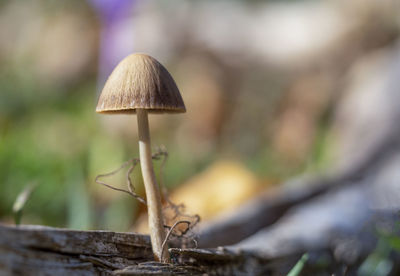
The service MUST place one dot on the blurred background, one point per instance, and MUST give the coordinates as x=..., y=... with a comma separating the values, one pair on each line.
x=273, y=89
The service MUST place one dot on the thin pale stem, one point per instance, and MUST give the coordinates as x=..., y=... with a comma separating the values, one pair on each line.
x=156, y=223
x=170, y=232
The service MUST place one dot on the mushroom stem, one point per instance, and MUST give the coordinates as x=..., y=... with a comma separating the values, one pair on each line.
x=156, y=223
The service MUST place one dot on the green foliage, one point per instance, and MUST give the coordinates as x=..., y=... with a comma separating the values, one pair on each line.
x=20, y=202
x=379, y=262
x=42, y=136
x=295, y=271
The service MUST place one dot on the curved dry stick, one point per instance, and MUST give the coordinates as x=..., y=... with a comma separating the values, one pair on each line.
x=169, y=234
x=131, y=188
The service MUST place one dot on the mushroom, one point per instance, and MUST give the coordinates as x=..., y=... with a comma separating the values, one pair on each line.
x=140, y=84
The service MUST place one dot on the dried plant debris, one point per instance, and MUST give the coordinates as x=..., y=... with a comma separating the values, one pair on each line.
x=131, y=188
x=182, y=230
x=180, y=233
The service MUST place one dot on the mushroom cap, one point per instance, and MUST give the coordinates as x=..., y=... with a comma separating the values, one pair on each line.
x=140, y=81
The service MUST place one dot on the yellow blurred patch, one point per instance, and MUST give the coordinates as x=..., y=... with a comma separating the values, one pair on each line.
x=222, y=187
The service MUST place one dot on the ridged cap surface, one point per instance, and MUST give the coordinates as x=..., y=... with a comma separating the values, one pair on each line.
x=140, y=81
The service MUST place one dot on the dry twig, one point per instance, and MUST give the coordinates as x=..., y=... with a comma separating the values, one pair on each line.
x=170, y=232
x=131, y=188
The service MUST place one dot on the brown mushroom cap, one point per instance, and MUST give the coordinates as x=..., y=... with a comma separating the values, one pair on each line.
x=140, y=81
